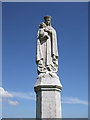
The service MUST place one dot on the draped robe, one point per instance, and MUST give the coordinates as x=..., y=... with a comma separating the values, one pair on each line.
x=46, y=49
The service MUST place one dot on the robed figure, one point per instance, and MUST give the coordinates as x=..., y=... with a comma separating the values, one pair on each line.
x=47, y=52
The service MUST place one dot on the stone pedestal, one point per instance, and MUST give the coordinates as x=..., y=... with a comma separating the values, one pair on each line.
x=48, y=98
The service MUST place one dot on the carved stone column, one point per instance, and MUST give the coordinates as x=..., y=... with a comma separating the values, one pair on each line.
x=48, y=96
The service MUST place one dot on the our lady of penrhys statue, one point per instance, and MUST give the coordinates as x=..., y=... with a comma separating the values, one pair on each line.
x=47, y=52
x=47, y=86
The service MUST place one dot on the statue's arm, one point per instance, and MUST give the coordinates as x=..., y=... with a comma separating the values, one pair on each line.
x=48, y=30
x=42, y=34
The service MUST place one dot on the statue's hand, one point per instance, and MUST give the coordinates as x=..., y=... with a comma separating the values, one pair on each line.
x=48, y=30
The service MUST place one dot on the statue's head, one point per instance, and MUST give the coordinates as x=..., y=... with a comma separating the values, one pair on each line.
x=47, y=20
x=42, y=25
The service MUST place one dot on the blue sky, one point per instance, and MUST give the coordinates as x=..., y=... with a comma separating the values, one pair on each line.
x=20, y=25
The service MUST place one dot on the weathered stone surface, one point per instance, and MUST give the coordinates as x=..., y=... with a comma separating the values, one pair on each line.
x=48, y=98
x=48, y=80
x=47, y=52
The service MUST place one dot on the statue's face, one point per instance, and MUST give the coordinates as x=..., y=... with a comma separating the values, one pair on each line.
x=48, y=21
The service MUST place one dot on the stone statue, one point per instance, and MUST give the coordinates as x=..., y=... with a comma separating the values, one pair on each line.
x=47, y=52
x=48, y=85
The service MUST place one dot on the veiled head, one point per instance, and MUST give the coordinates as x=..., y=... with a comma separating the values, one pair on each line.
x=47, y=20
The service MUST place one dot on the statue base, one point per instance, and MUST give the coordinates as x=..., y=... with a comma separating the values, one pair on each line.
x=48, y=98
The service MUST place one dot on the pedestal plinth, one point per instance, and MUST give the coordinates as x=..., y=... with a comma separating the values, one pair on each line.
x=48, y=98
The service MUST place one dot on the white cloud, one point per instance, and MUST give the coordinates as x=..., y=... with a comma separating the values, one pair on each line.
x=70, y=100
x=5, y=94
x=23, y=95
x=13, y=102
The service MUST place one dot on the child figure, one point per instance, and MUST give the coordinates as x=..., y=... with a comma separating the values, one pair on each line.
x=42, y=31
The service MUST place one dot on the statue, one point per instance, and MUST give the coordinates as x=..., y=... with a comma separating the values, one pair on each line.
x=48, y=85
x=47, y=52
